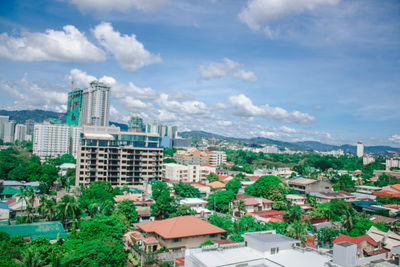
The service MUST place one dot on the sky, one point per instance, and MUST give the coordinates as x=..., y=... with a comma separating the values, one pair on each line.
x=320, y=70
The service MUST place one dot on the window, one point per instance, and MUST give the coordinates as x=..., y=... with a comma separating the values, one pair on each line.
x=274, y=250
x=176, y=240
x=213, y=235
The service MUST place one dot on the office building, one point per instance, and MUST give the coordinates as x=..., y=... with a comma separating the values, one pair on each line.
x=51, y=140
x=360, y=149
x=187, y=174
x=136, y=124
x=121, y=158
x=182, y=142
x=20, y=132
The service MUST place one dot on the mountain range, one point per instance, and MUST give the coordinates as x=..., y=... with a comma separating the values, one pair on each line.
x=20, y=116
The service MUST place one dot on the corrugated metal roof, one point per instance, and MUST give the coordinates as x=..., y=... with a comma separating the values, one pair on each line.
x=49, y=230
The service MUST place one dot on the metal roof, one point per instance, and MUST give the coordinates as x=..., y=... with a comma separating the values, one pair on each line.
x=49, y=230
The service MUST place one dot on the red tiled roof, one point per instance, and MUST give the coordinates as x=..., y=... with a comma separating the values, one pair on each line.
x=396, y=186
x=223, y=242
x=375, y=252
x=198, y=185
x=222, y=177
x=354, y=240
x=386, y=193
x=242, y=196
x=178, y=227
x=216, y=184
x=252, y=177
x=180, y=261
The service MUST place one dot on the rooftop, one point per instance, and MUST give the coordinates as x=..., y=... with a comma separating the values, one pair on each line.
x=269, y=237
x=302, y=181
x=189, y=201
x=178, y=227
x=355, y=240
x=216, y=184
x=49, y=230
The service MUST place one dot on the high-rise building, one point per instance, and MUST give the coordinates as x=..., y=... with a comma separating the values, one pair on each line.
x=360, y=149
x=152, y=128
x=75, y=140
x=74, y=107
x=89, y=106
x=30, y=124
x=135, y=124
x=20, y=132
x=51, y=140
x=8, y=130
x=121, y=158
x=3, y=121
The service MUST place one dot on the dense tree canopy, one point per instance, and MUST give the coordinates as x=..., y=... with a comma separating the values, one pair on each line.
x=219, y=201
x=186, y=190
x=270, y=187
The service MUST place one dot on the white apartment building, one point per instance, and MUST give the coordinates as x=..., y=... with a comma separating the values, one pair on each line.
x=75, y=140
x=8, y=131
x=50, y=140
x=187, y=174
x=367, y=159
x=217, y=158
x=20, y=132
x=121, y=158
x=392, y=163
x=360, y=149
x=95, y=108
x=270, y=149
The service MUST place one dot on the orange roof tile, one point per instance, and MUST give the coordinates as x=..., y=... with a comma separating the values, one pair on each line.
x=396, y=186
x=178, y=227
x=354, y=240
x=386, y=193
x=216, y=184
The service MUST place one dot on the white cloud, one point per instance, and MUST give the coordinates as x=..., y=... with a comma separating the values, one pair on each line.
x=119, y=5
x=79, y=78
x=183, y=107
x=395, y=138
x=166, y=116
x=243, y=106
x=33, y=95
x=227, y=68
x=129, y=52
x=258, y=13
x=224, y=123
x=68, y=45
x=286, y=129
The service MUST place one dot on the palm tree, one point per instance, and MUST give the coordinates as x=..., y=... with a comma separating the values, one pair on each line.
x=239, y=205
x=29, y=259
x=68, y=208
x=348, y=220
x=27, y=195
x=47, y=208
x=298, y=230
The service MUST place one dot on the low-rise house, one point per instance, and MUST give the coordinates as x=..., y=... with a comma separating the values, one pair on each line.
x=176, y=173
x=198, y=205
x=325, y=197
x=224, y=178
x=31, y=231
x=386, y=193
x=366, y=189
x=135, y=238
x=203, y=188
x=388, y=240
x=364, y=243
x=65, y=167
x=296, y=199
x=269, y=216
x=305, y=185
x=8, y=192
x=180, y=233
x=252, y=204
x=4, y=212
x=217, y=185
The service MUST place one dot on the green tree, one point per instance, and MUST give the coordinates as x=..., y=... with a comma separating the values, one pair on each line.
x=212, y=177
x=128, y=209
x=183, y=210
x=186, y=190
x=233, y=185
x=384, y=180
x=68, y=209
x=240, y=207
x=98, y=198
x=165, y=205
x=158, y=188
x=298, y=230
x=47, y=208
x=101, y=227
x=344, y=182
x=270, y=187
x=293, y=214
x=220, y=201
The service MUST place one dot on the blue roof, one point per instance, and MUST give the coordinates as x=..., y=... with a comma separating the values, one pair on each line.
x=4, y=206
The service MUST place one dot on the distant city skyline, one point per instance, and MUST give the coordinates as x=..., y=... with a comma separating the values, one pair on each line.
x=326, y=70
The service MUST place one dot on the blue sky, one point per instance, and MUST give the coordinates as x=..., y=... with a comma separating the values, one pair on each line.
x=326, y=70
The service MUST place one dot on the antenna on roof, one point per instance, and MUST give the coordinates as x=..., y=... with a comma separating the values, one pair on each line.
x=72, y=85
